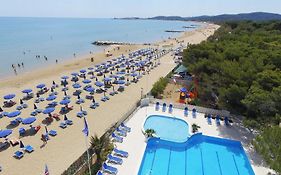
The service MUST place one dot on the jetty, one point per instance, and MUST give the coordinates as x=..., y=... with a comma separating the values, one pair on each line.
x=108, y=43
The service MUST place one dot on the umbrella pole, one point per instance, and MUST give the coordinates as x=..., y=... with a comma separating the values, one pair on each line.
x=88, y=155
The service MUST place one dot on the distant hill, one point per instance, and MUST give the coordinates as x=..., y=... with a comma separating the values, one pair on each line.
x=255, y=16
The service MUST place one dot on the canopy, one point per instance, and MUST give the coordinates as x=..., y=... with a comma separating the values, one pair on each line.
x=5, y=133
x=76, y=86
x=26, y=91
x=51, y=98
x=86, y=81
x=28, y=120
x=13, y=114
x=48, y=110
x=9, y=96
x=99, y=84
x=40, y=86
x=65, y=102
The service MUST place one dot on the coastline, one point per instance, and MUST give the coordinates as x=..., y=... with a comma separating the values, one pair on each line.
x=62, y=150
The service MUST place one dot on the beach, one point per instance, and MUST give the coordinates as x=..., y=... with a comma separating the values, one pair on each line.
x=61, y=151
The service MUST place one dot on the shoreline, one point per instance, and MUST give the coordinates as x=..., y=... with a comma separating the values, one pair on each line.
x=64, y=149
x=74, y=64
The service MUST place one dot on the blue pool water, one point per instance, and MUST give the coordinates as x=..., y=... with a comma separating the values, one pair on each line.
x=200, y=155
x=168, y=128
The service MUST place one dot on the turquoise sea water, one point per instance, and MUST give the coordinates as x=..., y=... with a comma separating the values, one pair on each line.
x=21, y=39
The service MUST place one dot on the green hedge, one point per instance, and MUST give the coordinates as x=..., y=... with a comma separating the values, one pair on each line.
x=159, y=86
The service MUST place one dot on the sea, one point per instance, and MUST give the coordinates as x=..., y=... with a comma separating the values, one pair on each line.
x=24, y=39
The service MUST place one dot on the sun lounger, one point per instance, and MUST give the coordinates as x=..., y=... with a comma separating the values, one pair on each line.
x=80, y=114
x=164, y=107
x=124, y=127
x=34, y=113
x=56, y=116
x=120, y=153
x=18, y=154
x=185, y=112
x=194, y=113
x=53, y=133
x=28, y=149
x=14, y=141
x=103, y=99
x=63, y=125
x=218, y=120
x=99, y=173
x=24, y=105
x=157, y=106
x=114, y=159
x=209, y=119
x=109, y=169
x=170, y=108
x=19, y=108
x=22, y=131
x=3, y=145
x=121, y=132
x=117, y=138
x=69, y=122
x=226, y=121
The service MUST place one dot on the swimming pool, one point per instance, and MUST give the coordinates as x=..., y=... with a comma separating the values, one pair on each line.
x=168, y=128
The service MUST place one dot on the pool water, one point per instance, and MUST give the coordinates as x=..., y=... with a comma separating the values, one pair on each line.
x=200, y=155
x=168, y=128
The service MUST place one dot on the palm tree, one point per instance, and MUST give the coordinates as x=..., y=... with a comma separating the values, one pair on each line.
x=149, y=132
x=98, y=144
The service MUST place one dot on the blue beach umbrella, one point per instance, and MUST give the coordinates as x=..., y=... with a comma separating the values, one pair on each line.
x=120, y=73
x=90, y=68
x=90, y=89
x=5, y=133
x=9, y=96
x=183, y=89
x=51, y=98
x=83, y=71
x=28, y=120
x=26, y=91
x=76, y=86
x=99, y=84
x=120, y=82
x=64, y=77
x=74, y=74
x=65, y=102
x=86, y=81
x=40, y=86
x=107, y=79
x=48, y=110
x=13, y=114
x=134, y=74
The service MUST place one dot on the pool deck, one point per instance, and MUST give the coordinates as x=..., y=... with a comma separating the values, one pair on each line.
x=135, y=142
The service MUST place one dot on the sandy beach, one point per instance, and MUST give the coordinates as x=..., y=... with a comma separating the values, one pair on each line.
x=61, y=151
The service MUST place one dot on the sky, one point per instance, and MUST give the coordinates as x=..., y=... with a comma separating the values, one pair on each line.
x=130, y=8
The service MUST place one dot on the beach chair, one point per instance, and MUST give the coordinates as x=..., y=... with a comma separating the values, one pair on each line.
x=22, y=131
x=113, y=159
x=63, y=125
x=100, y=173
x=109, y=169
x=28, y=149
x=19, y=108
x=112, y=93
x=56, y=116
x=185, y=112
x=14, y=123
x=24, y=105
x=121, y=132
x=18, y=154
x=116, y=138
x=124, y=127
x=209, y=119
x=103, y=99
x=120, y=153
x=69, y=122
x=157, y=106
x=80, y=101
x=4, y=145
x=164, y=107
x=170, y=108
x=194, y=113
x=93, y=106
x=53, y=133
x=14, y=141
x=218, y=120
x=226, y=121
x=80, y=114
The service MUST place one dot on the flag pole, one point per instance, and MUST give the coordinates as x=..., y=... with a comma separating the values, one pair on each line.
x=88, y=155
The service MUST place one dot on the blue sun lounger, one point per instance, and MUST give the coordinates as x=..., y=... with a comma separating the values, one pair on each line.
x=226, y=121
x=28, y=149
x=121, y=132
x=164, y=107
x=124, y=127
x=114, y=159
x=99, y=173
x=157, y=106
x=63, y=125
x=218, y=120
x=117, y=138
x=109, y=169
x=18, y=154
x=170, y=108
x=53, y=133
x=120, y=153
x=209, y=119
x=185, y=112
